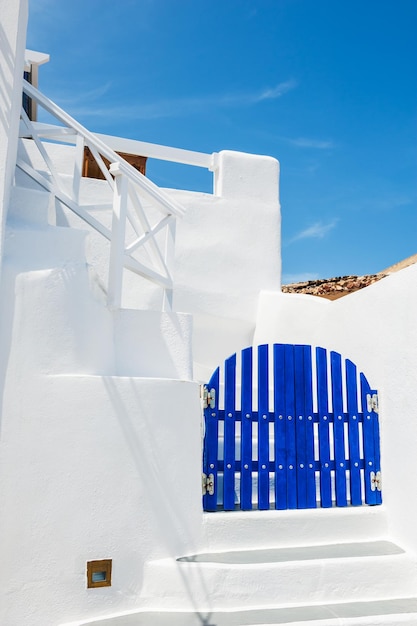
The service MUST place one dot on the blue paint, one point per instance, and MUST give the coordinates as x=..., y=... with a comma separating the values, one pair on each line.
x=309, y=427
x=290, y=426
x=229, y=434
x=338, y=429
x=324, y=436
x=246, y=418
x=369, y=417
x=263, y=428
x=280, y=443
x=210, y=455
x=353, y=434
x=300, y=427
x=285, y=469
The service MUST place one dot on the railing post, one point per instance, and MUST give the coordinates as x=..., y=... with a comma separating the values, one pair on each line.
x=169, y=261
x=117, y=246
x=78, y=168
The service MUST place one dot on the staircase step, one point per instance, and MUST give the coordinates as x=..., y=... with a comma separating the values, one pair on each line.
x=289, y=576
x=246, y=530
x=391, y=611
x=44, y=247
x=304, y=553
x=29, y=206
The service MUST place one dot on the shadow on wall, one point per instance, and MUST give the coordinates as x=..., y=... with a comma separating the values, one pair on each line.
x=156, y=473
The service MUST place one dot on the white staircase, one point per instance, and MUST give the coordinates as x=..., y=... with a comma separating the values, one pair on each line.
x=320, y=567
x=325, y=565
x=356, y=578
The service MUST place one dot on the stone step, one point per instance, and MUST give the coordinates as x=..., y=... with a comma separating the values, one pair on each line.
x=393, y=612
x=288, y=576
x=29, y=206
x=299, y=553
x=31, y=249
x=245, y=530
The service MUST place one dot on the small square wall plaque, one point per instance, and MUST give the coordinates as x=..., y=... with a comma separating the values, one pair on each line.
x=99, y=573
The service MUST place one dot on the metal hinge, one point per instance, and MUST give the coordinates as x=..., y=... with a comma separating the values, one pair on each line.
x=376, y=482
x=209, y=397
x=208, y=484
x=372, y=402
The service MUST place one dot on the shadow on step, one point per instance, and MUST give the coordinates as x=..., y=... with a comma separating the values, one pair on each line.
x=382, y=610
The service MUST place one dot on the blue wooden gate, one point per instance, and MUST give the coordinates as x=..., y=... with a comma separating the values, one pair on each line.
x=287, y=427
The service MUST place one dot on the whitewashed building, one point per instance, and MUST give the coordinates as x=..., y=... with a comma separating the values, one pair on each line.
x=118, y=302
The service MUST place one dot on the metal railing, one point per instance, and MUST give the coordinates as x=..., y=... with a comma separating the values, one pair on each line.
x=142, y=235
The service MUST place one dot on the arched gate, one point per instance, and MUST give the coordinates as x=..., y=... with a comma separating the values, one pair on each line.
x=287, y=427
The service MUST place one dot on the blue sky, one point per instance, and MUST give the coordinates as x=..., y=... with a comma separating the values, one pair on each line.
x=328, y=87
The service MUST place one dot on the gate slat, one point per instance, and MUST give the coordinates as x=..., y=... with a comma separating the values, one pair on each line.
x=324, y=441
x=211, y=443
x=368, y=442
x=338, y=429
x=353, y=431
x=263, y=428
x=280, y=428
x=290, y=428
x=229, y=434
x=308, y=404
x=246, y=431
x=300, y=427
x=377, y=450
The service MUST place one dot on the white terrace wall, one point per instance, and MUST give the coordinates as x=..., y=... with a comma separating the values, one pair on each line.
x=375, y=328
x=227, y=251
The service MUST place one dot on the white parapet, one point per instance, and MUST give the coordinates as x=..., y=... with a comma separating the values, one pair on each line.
x=241, y=175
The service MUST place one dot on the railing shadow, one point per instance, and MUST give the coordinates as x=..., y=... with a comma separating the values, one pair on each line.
x=149, y=468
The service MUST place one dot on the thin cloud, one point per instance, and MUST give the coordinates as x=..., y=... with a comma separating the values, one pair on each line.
x=276, y=92
x=304, y=142
x=316, y=231
x=389, y=202
x=84, y=96
x=185, y=106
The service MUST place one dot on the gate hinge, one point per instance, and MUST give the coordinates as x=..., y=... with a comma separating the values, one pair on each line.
x=209, y=397
x=208, y=484
x=376, y=483
x=372, y=402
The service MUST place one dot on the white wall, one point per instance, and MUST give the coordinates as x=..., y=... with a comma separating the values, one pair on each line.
x=375, y=328
x=227, y=251
x=13, y=24
x=93, y=467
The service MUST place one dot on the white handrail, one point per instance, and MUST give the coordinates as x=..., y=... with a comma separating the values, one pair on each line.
x=132, y=229
x=135, y=147
x=102, y=148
